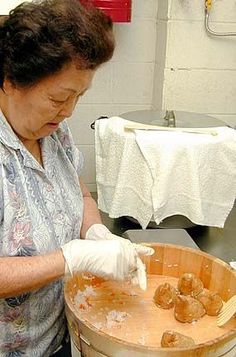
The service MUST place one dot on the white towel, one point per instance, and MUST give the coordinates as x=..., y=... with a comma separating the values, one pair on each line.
x=123, y=178
x=193, y=175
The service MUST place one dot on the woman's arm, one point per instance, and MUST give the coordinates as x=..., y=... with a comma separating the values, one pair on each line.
x=19, y=275
x=91, y=212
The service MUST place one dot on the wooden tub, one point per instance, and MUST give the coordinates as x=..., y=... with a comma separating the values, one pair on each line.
x=139, y=332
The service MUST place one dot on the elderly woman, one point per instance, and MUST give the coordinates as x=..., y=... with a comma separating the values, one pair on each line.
x=49, y=53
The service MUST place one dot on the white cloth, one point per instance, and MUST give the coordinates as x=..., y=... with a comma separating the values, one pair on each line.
x=193, y=175
x=157, y=174
x=123, y=189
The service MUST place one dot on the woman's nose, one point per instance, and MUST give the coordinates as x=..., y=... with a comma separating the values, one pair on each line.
x=68, y=108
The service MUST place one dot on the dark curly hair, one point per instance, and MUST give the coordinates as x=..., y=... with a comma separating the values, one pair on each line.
x=38, y=38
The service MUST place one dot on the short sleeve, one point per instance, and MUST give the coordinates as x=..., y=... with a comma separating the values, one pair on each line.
x=66, y=140
x=1, y=188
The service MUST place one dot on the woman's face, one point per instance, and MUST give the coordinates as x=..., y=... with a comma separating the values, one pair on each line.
x=36, y=112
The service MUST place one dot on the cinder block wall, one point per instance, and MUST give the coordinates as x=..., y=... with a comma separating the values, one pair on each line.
x=122, y=85
x=163, y=59
x=199, y=71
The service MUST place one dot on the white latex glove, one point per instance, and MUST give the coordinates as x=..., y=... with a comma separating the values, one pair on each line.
x=108, y=259
x=233, y=265
x=99, y=232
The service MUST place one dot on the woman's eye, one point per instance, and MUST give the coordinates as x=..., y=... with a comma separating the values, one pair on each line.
x=57, y=102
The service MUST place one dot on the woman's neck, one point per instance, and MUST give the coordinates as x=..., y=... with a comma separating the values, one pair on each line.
x=34, y=147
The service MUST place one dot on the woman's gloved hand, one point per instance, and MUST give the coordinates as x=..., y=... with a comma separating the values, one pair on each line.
x=101, y=232
x=109, y=259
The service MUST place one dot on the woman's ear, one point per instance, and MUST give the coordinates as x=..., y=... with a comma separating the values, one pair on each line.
x=8, y=87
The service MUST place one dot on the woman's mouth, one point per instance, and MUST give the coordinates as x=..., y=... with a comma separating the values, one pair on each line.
x=53, y=125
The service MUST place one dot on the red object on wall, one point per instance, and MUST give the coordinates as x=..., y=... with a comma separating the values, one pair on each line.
x=118, y=10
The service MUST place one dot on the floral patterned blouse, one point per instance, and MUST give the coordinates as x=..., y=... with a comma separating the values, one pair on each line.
x=41, y=208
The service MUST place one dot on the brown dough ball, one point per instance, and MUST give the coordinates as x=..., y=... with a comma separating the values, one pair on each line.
x=165, y=296
x=172, y=338
x=188, y=309
x=212, y=302
x=189, y=284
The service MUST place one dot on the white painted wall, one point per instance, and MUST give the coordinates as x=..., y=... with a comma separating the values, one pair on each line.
x=122, y=85
x=199, y=70
x=7, y=5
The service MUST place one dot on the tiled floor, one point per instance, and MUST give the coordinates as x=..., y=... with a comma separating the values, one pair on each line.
x=215, y=241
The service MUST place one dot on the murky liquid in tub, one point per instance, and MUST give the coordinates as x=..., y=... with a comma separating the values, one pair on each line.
x=128, y=313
